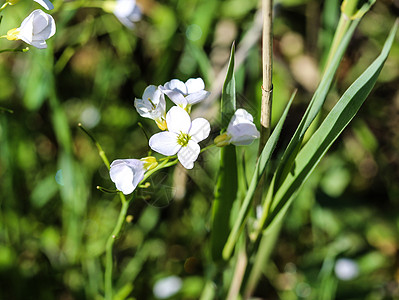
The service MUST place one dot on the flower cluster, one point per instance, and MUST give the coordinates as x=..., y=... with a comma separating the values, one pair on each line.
x=36, y=28
x=180, y=136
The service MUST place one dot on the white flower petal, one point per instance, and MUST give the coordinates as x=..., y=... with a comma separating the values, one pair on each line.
x=152, y=105
x=36, y=28
x=178, y=120
x=197, y=97
x=38, y=44
x=194, y=85
x=176, y=97
x=241, y=116
x=46, y=4
x=200, y=129
x=176, y=85
x=164, y=143
x=243, y=134
x=127, y=174
x=149, y=93
x=127, y=12
x=188, y=155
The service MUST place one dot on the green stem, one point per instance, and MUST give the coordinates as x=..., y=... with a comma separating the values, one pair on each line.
x=3, y=6
x=110, y=244
x=15, y=50
x=162, y=165
x=106, y=5
x=100, y=149
x=208, y=147
x=6, y=110
x=348, y=9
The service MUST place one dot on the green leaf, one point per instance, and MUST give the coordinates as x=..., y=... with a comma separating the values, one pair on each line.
x=260, y=168
x=227, y=183
x=228, y=105
x=225, y=194
x=335, y=122
x=317, y=102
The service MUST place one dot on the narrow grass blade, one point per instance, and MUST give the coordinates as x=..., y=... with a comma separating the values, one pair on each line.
x=317, y=101
x=228, y=105
x=258, y=172
x=335, y=122
x=227, y=183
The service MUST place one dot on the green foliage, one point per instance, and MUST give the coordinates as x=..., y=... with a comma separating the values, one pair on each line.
x=54, y=223
x=227, y=182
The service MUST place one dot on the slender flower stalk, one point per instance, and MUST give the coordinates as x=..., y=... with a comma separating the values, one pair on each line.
x=110, y=244
x=99, y=148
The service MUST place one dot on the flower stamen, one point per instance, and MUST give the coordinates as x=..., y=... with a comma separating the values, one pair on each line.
x=183, y=139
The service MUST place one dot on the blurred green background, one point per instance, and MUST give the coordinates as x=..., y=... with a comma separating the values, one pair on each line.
x=54, y=222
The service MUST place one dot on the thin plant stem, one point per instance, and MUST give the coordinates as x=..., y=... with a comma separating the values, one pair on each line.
x=262, y=256
x=15, y=50
x=3, y=6
x=110, y=244
x=348, y=9
x=3, y=109
x=267, y=67
x=208, y=147
x=99, y=148
x=239, y=272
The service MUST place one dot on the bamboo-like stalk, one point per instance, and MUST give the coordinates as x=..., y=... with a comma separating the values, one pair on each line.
x=267, y=67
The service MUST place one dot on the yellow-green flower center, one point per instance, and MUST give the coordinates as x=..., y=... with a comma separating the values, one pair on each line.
x=183, y=139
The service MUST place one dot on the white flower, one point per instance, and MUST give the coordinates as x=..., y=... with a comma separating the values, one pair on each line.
x=182, y=136
x=185, y=94
x=152, y=106
x=45, y=3
x=127, y=173
x=127, y=12
x=241, y=130
x=34, y=30
x=166, y=287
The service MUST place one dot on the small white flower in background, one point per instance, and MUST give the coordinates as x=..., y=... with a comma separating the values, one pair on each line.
x=185, y=94
x=127, y=12
x=241, y=130
x=152, y=106
x=166, y=287
x=127, y=173
x=45, y=3
x=34, y=30
x=182, y=136
x=346, y=269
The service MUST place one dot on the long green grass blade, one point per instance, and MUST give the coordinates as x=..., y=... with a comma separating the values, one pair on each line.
x=317, y=101
x=227, y=183
x=335, y=122
x=258, y=172
x=225, y=194
x=228, y=105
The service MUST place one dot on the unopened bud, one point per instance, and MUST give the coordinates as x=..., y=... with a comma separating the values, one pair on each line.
x=222, y=140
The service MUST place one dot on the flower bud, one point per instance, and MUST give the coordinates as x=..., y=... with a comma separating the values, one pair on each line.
x=222, y=140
